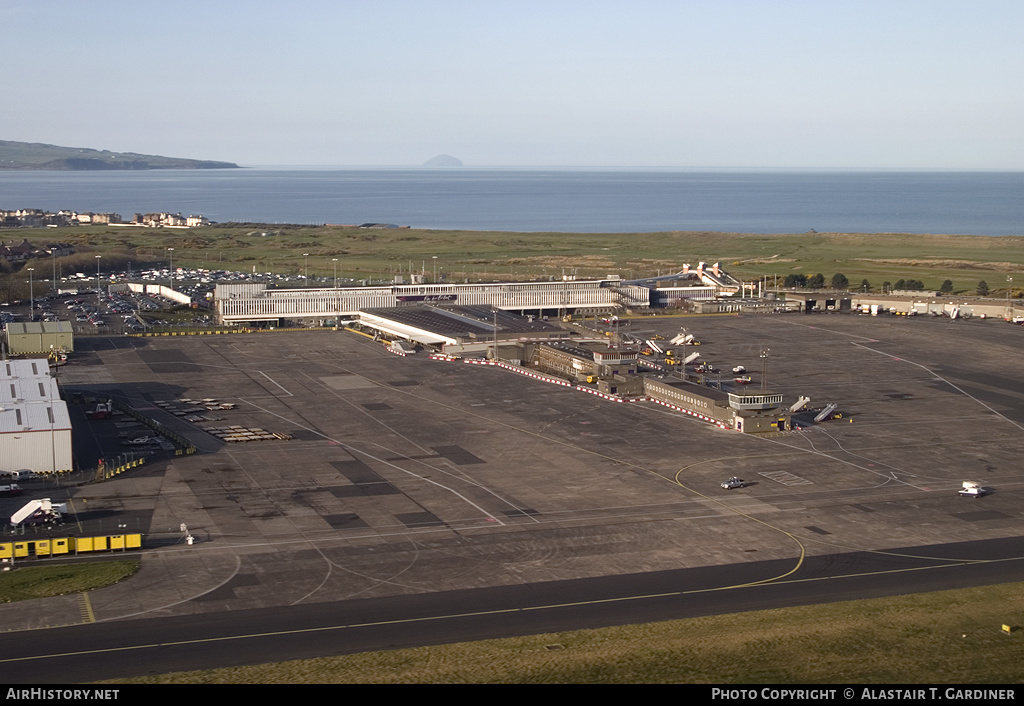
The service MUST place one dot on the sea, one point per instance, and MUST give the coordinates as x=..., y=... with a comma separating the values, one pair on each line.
x=581, y=200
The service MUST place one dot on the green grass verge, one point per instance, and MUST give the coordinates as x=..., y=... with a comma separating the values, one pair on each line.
x=59, y=579
x=489, y=255
x=944, y=637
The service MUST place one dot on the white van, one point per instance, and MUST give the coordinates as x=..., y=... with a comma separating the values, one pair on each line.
x=23, y=474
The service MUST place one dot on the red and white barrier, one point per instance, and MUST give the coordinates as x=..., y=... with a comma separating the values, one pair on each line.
x=581, y=388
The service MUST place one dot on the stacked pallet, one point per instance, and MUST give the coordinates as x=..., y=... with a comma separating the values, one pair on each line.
x=196, y=411
x=208, y=403
x=236, y=434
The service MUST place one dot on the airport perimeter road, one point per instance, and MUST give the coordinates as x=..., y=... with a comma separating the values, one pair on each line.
x=154, y=646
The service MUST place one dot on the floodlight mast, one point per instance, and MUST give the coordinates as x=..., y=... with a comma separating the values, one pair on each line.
x=32, y=294
x=494, y=354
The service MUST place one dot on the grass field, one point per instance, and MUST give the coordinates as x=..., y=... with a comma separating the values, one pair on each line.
x=948, y=637
x=59, y=579
x=486, y=255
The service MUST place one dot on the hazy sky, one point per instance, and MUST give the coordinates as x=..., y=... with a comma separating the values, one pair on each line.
x=714, y=83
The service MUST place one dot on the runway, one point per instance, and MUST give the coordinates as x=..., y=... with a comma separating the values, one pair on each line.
x=118, y=649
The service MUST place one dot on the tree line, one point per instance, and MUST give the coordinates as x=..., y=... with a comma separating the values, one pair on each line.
x=840, y=281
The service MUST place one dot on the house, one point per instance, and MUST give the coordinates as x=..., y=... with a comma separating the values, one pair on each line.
x=17, y=253
x=58, y=249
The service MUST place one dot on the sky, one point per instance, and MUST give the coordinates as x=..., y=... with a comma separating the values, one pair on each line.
x=859, y=84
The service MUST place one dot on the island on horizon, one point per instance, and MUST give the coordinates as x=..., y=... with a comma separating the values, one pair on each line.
x=43, y=157
x=443, y=160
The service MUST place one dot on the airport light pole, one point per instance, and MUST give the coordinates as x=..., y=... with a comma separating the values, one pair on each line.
x=764, y=367
x=1009, y=286
x=31, y=295
x=435, y=268
x=337, y=295
x=305, y=274
x=98, y=278
x=684, y=332
x=494, y=354
x=171, y=252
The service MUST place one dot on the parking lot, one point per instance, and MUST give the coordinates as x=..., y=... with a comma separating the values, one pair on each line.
x=382, y=474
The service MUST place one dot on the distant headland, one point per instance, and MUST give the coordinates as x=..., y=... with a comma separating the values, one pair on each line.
x=39, y=156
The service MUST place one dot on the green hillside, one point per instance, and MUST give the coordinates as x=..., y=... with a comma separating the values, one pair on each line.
x=38, y=156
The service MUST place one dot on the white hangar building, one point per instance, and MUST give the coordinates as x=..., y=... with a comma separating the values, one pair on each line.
x=35, y=428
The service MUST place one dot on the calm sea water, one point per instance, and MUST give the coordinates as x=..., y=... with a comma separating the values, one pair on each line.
x=572, y=200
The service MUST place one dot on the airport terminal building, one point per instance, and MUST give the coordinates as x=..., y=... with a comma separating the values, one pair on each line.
x=703, y=289
x=746, y=411
x=457, y=329
x=254, y=303
x=615, y=373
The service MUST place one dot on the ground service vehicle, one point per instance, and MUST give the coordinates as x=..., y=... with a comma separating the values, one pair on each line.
x=10, y=490
x=972, y=489
x=734, y=482
x=40, y=512
x=104, y=410
x=6, y=476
